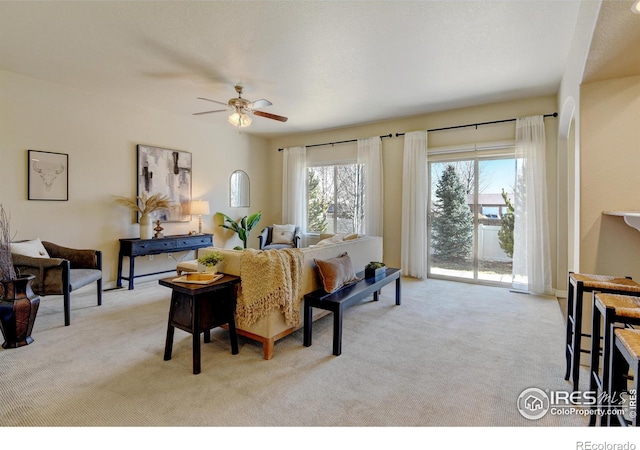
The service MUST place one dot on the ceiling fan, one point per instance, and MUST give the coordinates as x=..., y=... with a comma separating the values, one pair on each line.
x=241, y=108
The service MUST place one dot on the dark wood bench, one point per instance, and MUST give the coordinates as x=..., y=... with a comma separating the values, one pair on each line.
x=339, y=301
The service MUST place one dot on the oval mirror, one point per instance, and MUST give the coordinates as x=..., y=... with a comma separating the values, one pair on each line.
x=239, y=190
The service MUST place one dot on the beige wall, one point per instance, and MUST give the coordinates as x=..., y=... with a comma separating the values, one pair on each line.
x=569, y=143
x=609, y=162
x=392, y=150
x=100, y=136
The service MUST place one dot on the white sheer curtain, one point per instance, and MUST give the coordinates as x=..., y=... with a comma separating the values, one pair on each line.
x=414, y=205
x=294, y=187
x=370, y=156
x=531, y=251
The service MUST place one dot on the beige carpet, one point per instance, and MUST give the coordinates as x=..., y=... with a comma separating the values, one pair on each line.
x=452, y=354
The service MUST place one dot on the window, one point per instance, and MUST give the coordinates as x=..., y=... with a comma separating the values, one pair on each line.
x=335, y=195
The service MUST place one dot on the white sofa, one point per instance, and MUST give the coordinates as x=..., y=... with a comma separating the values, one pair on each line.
x=272, y=327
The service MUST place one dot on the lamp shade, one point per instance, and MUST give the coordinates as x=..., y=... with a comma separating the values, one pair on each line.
x=199, y=207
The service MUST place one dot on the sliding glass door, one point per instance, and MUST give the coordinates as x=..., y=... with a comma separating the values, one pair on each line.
x=451, y=219
x=471, y=219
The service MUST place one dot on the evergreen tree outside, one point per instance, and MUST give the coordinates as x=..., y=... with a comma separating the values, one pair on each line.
x=505, y=234
x=318, y=205
x=452, y=225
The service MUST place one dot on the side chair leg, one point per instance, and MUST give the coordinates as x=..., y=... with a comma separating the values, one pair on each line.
x=99, y=282
x=67, y=307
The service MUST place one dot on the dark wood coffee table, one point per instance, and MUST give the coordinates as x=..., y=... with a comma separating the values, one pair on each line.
x=197, y=308
x=344, y=298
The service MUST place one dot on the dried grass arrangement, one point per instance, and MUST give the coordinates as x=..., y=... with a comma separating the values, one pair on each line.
x=7, y=271
x=145, y=204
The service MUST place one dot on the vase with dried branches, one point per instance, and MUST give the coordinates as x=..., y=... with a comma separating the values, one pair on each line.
x=145, y=205
x=7, y=271
x=18, y=304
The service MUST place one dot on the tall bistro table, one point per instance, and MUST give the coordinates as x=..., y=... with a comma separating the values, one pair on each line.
x=197, y=308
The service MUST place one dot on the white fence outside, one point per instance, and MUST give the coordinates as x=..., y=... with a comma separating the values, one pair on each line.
x=489, y=245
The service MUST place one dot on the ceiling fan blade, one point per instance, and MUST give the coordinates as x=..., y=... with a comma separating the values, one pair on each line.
x=270, y=116
x=208, y=112
x=214, y=101
x=259, y=104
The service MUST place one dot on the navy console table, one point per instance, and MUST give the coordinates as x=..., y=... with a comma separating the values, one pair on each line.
x=168, y=244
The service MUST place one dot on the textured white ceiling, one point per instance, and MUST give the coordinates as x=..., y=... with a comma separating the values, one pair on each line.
x=322, y=64
x=615, y=43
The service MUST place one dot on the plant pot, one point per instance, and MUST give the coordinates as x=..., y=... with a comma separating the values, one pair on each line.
x=373, y=273
x=207, y=269
x=18, y=309
x=146, y=227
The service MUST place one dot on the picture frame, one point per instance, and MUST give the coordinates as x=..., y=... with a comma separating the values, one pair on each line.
x=47, y=175
x=166, y=172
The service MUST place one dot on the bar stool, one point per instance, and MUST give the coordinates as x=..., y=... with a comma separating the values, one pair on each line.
x=625, y=350
x=577, y=286
x=611, y=309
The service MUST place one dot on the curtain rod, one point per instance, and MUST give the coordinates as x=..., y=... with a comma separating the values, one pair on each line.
x=339, y=142
x=555, y=114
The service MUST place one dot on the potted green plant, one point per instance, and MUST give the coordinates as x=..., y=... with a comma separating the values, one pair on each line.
x=374, y=269
x=210, y=260
x=18, y=304
x=145, y=205
x=241, y=226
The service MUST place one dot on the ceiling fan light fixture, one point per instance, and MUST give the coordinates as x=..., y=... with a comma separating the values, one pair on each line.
x=241, y=108
x=239, y=119
x=636, y=7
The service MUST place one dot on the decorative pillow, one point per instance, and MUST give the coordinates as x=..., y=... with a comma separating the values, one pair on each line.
x=336, y=238
x=350, y=237
x=336, y=272
x=282, y=234
x=33, y=248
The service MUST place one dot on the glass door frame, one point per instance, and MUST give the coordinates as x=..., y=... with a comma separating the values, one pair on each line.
x=502, y=151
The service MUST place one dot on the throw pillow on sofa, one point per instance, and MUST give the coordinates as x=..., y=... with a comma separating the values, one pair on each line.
x=336, y=272
x=282, y=234
x=327, y=239
x=33, y=249
x=335, y=239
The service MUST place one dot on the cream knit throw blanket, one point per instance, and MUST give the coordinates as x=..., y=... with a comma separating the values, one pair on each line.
x=270, y=280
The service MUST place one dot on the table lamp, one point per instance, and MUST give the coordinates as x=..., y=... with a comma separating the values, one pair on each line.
x=199, y=207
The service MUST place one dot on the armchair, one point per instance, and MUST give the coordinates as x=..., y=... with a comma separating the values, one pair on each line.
x=266, y=239
x=64, y=271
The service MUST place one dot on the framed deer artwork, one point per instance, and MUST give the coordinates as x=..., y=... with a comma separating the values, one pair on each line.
x=48, y=175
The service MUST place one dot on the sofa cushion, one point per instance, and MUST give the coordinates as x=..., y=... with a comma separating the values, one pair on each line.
x=33, y=248
x=276, y=246
x=282, y=234
x=336, y=272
